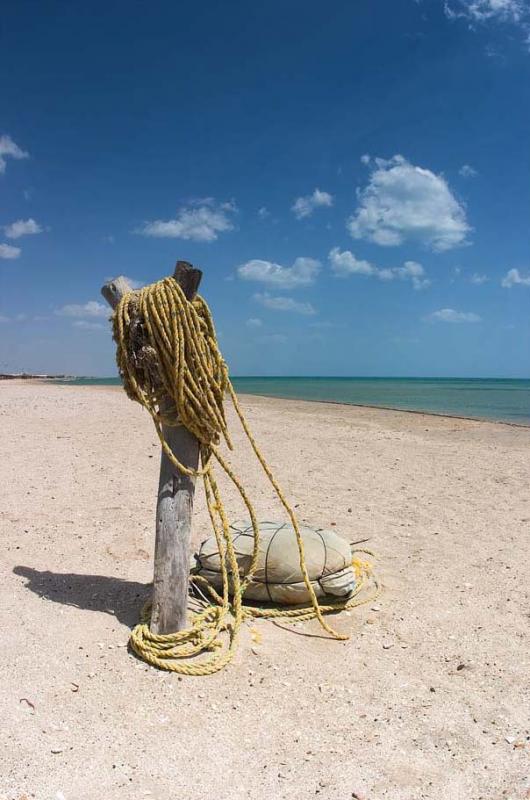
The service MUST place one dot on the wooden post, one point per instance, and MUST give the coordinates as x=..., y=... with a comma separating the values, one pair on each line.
x=175, y=495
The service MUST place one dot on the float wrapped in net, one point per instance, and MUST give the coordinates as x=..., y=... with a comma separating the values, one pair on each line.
x=278, y=577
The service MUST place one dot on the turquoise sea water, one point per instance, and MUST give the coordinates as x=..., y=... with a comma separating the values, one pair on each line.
x=484, y=398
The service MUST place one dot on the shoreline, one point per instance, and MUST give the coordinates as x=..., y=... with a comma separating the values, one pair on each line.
x=418, y=411
x=391, y=408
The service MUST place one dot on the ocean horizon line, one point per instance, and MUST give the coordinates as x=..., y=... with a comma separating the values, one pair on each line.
x=329, y=377
x=496, y=399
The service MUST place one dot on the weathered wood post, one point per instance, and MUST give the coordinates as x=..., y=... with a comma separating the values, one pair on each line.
x=174, y=508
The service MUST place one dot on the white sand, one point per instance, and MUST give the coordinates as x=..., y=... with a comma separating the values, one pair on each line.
x=429, y=697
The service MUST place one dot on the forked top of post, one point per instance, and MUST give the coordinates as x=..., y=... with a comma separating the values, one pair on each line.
x=185, y=274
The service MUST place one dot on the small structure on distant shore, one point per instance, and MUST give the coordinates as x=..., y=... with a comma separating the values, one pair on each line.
x=8, y=376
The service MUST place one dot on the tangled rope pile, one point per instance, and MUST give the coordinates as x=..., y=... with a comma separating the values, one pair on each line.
x=170, y=362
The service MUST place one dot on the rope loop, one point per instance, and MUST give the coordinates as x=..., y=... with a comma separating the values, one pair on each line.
x=169, y=359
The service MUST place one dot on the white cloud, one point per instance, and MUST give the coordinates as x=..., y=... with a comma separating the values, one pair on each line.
x=263, y=213
x=302, y=272
x=365, y=159
x=450, y=315
x=8, y=251
x=513, y=278
x=276, y=303
x=345, y=263
x=201, y=221
x=91, y=309
x=484, y=10
x=403, y=202
x=254, y=322
x=412, y=271
x=478, y=279
x=88, y=326
x=133, y=283
x=22, y=227
x=304, y=206
x=8, y=149
x=467, y=171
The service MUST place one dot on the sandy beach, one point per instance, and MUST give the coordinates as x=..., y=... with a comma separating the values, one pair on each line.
x=429, y=698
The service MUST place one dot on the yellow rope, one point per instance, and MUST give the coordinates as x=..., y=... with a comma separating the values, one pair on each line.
x=188, y=387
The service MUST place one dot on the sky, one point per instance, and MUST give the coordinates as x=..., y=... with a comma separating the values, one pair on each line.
x=352, y=178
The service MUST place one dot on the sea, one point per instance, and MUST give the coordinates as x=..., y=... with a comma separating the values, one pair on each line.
x=501, y=399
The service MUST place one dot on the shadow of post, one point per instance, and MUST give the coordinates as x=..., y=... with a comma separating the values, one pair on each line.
x=121, y=598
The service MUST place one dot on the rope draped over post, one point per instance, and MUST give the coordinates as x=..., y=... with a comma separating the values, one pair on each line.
x=170, y=362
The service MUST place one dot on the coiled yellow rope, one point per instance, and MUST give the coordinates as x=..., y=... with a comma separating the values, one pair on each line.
x=180, y=377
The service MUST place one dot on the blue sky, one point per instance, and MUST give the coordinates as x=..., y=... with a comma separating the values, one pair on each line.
x=353, y=178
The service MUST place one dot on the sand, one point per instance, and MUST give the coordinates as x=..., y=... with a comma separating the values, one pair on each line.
x=429, y=697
